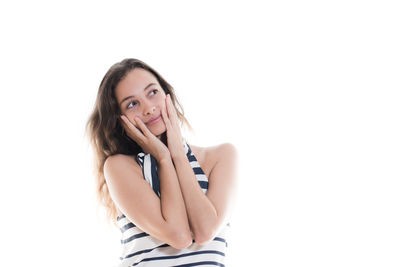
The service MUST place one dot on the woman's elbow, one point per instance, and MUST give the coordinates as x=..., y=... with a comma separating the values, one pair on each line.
x=204, y=238
x=181, y=240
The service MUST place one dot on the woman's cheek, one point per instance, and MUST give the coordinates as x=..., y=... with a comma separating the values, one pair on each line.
x=132, y=119
x=164, y=106
x=132, y=114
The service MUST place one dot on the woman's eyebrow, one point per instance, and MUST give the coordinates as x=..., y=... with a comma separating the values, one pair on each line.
x=130, y=96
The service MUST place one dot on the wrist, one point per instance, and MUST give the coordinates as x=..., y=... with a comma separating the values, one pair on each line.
x=164, y=160
x=180, y=153
x=165, y=156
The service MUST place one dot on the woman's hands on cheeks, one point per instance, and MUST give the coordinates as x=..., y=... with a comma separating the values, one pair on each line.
x=149, y=142
x=144, y=138
x=174, y=136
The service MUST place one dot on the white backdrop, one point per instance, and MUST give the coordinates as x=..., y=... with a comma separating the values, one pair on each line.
x=306, y=90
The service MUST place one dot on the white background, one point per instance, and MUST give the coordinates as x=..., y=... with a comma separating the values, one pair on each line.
x=306, y=90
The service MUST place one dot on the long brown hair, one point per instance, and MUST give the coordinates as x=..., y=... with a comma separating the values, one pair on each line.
x=107, y=135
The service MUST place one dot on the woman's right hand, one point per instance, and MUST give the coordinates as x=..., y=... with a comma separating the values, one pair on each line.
x=144, y=138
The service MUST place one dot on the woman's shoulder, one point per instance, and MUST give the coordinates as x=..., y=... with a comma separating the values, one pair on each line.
x=118, y=161
x=216, y=152
x=121, y=157
x=221, y=148
x=119, y=168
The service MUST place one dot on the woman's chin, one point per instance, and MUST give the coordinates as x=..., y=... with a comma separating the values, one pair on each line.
x=157, y=129
x=158, y=132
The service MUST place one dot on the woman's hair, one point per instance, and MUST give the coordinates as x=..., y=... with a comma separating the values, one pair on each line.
x=104, y=128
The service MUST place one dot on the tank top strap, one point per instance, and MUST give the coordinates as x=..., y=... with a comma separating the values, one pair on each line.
x=150, y=169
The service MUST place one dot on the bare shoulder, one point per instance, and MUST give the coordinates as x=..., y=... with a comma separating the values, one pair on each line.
x=115, y=163
x=119, y=159
x=227, y=148
x=226, y=152
x=118, y=171
x=214, y=154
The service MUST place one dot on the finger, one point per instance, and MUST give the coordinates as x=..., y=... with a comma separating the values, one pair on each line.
x=143, y=127
x=128, y=123
x=171, y=110
x=165, y=118
x=131, y=128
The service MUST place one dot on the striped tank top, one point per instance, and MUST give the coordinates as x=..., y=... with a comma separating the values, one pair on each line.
x=140, y=249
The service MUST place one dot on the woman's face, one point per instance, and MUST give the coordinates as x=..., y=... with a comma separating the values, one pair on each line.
x=140, y=95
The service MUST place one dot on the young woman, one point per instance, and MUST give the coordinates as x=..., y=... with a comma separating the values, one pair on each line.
x=171, y=200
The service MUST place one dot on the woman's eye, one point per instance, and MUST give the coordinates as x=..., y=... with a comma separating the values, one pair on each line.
x=131, y=104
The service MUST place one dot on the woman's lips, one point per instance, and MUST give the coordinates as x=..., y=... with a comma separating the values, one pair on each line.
x=154, y=121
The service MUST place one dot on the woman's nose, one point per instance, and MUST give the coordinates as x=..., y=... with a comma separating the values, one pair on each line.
x=148, y=108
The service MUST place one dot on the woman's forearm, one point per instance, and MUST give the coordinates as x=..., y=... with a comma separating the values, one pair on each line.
x=172, y=204
x=200, y=210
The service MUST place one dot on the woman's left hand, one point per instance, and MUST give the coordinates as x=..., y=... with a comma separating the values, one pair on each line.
x=174, y=136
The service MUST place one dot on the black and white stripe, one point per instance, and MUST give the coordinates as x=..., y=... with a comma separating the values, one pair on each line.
x=140, y=249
